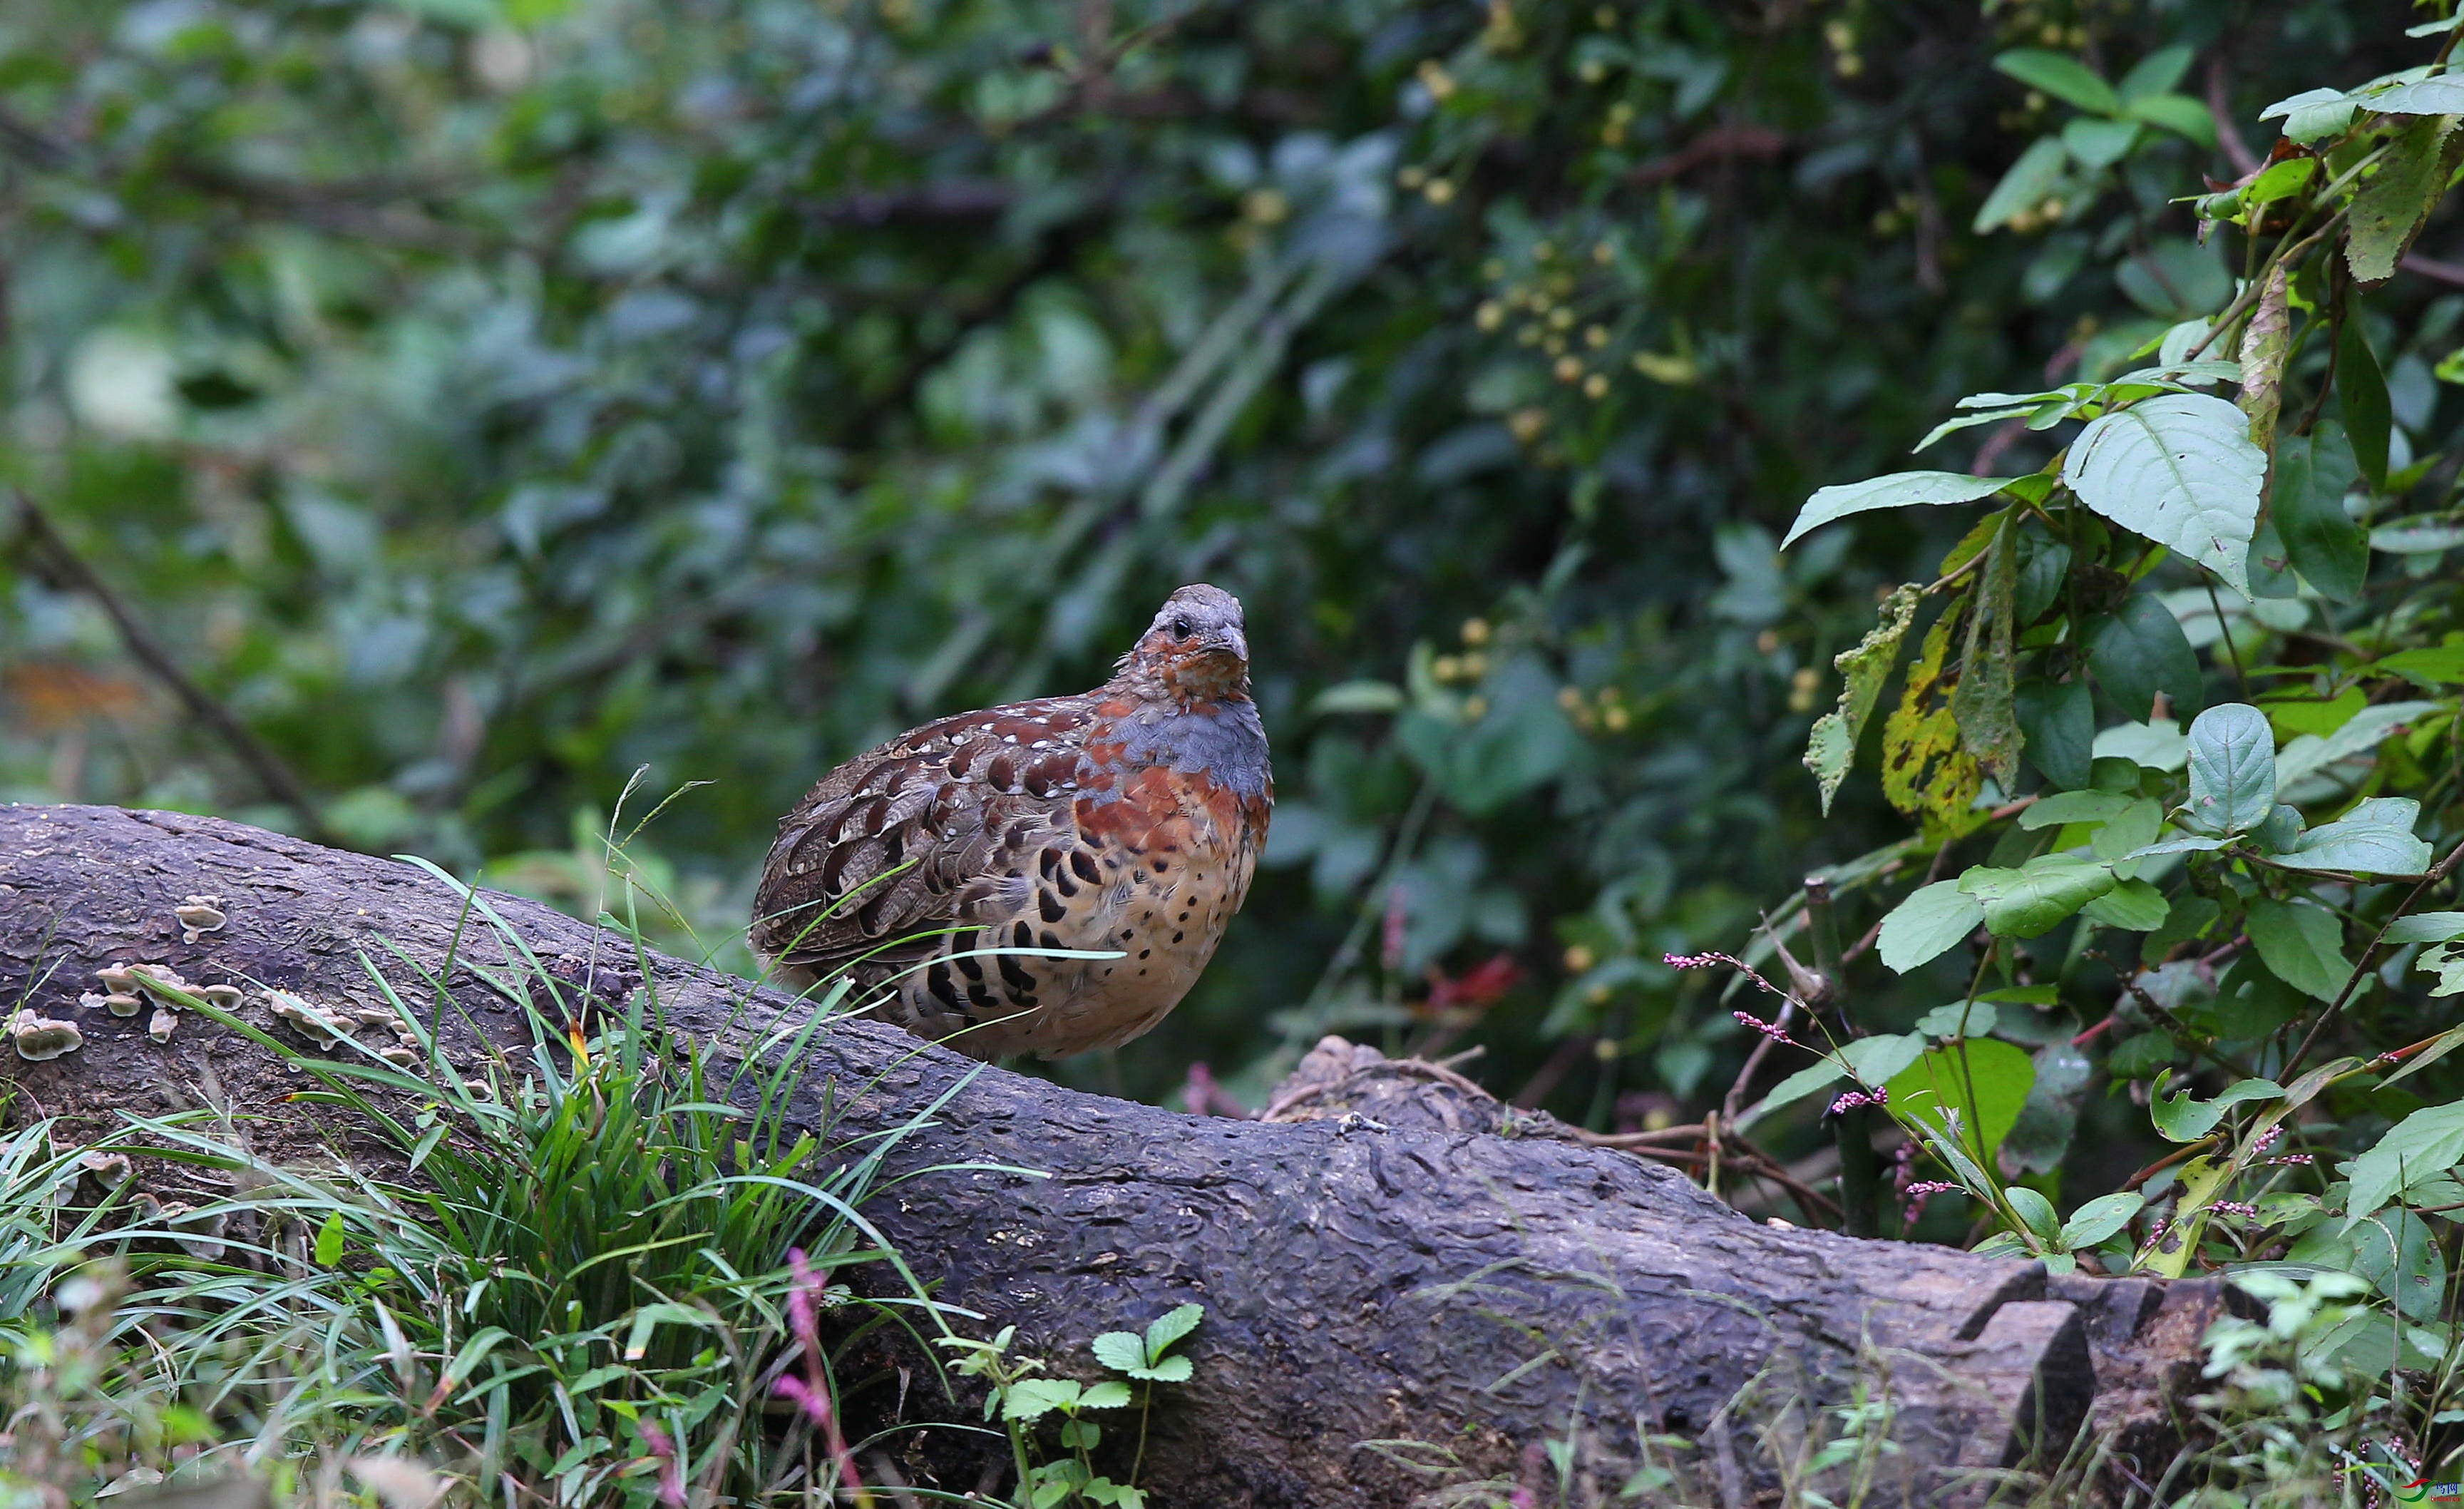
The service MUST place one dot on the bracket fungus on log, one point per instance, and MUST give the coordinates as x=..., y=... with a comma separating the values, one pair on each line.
x=1406, y=1285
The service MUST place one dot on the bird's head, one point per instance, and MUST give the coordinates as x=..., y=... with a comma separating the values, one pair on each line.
x=1195, y=650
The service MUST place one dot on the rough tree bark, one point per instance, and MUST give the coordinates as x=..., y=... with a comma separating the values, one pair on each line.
x=1408, y=1264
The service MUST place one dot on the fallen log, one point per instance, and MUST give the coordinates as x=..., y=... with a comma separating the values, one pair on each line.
x=1408, y=1285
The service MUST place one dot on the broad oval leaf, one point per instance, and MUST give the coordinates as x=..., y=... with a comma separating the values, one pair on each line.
x=2179, y=469
x=2301, y=944
x=2131, y=907
x=2313, y=115
x=1899, y=489
x=2024, y=902
x=2000, y=1076
x=2184, y=1120
x=2359, y=848
x=1879, y=1060
x=2326, y=546
x=2139, y=651
x=2426, y=928
x=2034, y=1211
x=2030, y=180
x=1927, y=925
x=2232, y=768
x=2100, y=1218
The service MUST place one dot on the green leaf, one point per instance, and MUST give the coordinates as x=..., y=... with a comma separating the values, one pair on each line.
x=2280, y=181
x=329, y=1240
x=2313, y=115
x=2138, y=652
x=2426, y=928
x=1172, y=1369
x=1875, y=1062
x=2182, y=1120
x=2065, y=808
x=1120, y=1350
x=2421, y=1146
x=2387, y=212
x=2439, y=1048
x=2000, y=1073
x=2033, y=1210
x=1899, y=489
x=2357, y=735
x=2328, y=546
x=2100, y=1218
x=2232, y=768
x=2301, y=944
x=2359, y=848
x=1831, y=748
x=2179, y=469
x=2436, y=94
x=1358, y=697
x=2155, y=73
x=1110, y=1394
x=1927, y=925
x=1171, y=1326
x=2131, y=907
x=2432, y=665
x=2179, y=114
x=1034, y=1398
x=2057, y=723
x=1981, y=703
x=1959, y=1019
x=2029, y=901
x=2066, y=79
x=2095, y=144
x=1815, y=1076
x=2361, y=391
x=2028, y=182
x=2447, y=962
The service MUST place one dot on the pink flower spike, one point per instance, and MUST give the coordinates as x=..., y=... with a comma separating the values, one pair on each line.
x=1931, y=1186
x=1771, y=1029
x=671, y=1484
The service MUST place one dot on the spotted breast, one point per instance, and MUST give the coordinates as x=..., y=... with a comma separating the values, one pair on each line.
x=944, y=871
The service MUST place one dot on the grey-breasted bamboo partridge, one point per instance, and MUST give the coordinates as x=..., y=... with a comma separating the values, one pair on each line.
x=1126, y=820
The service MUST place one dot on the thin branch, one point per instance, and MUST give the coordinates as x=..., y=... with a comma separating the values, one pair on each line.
x=276, y=776
x=2361, y=966
x=2436, y=271
x=1720, y=143
x=2237, y=152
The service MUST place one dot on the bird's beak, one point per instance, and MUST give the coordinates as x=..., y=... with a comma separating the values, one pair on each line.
x=1226, y=641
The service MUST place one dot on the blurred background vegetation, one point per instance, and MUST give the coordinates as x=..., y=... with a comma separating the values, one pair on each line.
x=475, y=401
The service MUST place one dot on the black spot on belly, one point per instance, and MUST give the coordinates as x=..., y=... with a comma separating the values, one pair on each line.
x=971, y=966
x=1049, y=863
x=1143, y=952
x=944, y=990
x=1176, y=937
x=1081, y=862
x=1050, y=906
x=1049, y=941
x=1159, y=867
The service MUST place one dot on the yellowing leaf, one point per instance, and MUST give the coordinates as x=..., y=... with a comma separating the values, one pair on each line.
x=1832, y=746
x=1926, y=770
x=1981, y=704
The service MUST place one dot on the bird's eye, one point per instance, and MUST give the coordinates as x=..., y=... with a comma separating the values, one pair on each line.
x=1180, y=629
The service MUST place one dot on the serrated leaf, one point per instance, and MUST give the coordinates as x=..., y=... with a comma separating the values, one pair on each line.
x=1171, y=1326
x=1172, y=1369
x=2361, y=390
x=2131, y=907
x=1899, y=489
x=1981, y=703
x=2139, y=651
x=2313, y=115
x=2064, y=77
x=2182, y=1120
x=2421, y=1146
x=2388, y=210
x=1110, y=1394
x=2100, y=1218
x=2301, y=944
x=1932, y=920
x=2027, y=901
x=2438, y=94
x=2030, y=180
x=2328, y=546
x=1831, y=748
x=2180, y=469
x=1925, y=769
x=2232, y=768
x=1034, y=1398
x=1120, y=1350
